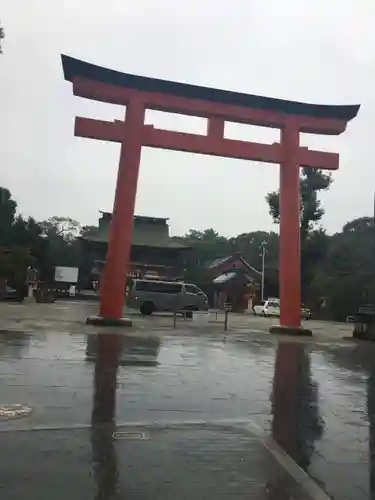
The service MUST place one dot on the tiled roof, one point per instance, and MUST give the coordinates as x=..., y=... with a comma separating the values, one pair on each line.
x=143, y=218
x=140, y=240
x=231, y=275
x=218, y=262
x=224, y=278
x=147, y=232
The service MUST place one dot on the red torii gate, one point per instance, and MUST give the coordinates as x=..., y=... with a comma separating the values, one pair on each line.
x=218, y=106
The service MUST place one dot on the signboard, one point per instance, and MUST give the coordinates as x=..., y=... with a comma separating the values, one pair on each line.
x=151, y=274
x=201, y=317
x=66, y=274
x=134, y=274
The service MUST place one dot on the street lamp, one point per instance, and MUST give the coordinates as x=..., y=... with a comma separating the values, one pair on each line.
x=263, y=247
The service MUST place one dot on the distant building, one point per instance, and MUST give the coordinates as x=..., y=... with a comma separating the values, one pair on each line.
x=153, y=253
x=234, y=282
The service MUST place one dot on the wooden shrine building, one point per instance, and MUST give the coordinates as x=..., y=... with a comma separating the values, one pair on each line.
x=234, y=282
x=153, y=253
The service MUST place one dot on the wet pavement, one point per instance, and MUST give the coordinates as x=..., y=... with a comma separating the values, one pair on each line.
x=107, y=416
x=186, y=463
x=71, y=316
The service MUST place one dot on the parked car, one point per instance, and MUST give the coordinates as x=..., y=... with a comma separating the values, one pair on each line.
x=305, y=313
x=258, y=308
x=11, y=294
x=272, y=308
x=267, y=308
x=151, y=295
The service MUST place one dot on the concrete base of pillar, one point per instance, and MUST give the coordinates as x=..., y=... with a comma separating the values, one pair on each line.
x=298, y=331
x=29, y=300
x=364, y=331
x=101, y=321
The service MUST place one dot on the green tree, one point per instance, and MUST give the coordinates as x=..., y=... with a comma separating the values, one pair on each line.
x=2, y=36
x=249, y=246
x=314, y=241
x=312, y=181
x=8, y=209
x=62, y=248
x=209, y=245
x=345, y=279
x=28, y=234
x=64, y=227
x=88, y=231
x=19, y=236
x=205, y=246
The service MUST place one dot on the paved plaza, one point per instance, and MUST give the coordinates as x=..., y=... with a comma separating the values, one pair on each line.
x=71, y=316
x=236, y=414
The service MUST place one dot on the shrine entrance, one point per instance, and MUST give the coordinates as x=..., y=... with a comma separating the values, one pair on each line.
x=218, y=106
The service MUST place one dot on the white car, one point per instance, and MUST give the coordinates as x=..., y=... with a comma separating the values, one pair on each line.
x=267, y=308
x=272, y=308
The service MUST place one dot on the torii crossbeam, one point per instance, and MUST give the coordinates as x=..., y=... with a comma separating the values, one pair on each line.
x=139, y=94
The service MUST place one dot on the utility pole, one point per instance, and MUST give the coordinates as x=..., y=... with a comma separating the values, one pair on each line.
x=263, y=247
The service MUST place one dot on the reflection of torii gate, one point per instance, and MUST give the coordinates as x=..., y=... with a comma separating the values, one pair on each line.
x=218, y=106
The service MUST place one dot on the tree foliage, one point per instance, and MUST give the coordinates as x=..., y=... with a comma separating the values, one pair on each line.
x=63, y=227
x=345, y=280
x=209, y=245
x=314, y=240
x=25, y=242
x=338, y=272
x=8, y=209
x=312, y=181
x=88, y=231
x=15, y=254
x=2, y=36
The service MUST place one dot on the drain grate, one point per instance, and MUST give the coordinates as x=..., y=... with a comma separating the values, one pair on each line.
x=12, y=411
x=129, y=435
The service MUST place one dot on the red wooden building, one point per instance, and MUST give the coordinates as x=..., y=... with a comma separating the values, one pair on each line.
x=235, y=281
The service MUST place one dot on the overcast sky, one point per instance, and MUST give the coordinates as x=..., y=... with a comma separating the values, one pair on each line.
x=320, y=51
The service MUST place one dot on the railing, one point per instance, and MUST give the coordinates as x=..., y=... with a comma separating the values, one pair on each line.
x=202, y=317
x=364, y=322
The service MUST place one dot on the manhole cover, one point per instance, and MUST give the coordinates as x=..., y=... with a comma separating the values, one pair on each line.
x=10, y=411
x=129, y=435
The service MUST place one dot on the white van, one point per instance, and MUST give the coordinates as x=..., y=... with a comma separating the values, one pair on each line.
x=149, y=296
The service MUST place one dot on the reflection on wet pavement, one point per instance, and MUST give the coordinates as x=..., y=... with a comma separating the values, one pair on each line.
x=178, y=463
x=318, y=403
x=296, y=423
x=130, y=350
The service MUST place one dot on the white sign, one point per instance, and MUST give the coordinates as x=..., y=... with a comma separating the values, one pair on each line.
x=66, y=274
x=201, y=317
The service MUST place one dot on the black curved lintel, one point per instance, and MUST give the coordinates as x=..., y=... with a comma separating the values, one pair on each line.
x=75, y=68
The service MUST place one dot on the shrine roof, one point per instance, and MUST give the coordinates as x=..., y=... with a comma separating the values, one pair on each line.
x=75, y=68
x=232, y=275
x=220, y=263
x=147, y=231
x=139, y=218
x=139, y=240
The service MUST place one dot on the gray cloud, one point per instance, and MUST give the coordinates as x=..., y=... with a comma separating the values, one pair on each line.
x=318, y=52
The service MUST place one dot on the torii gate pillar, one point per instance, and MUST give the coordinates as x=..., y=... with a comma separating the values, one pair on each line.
x=289, y=246
x=113, y=280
